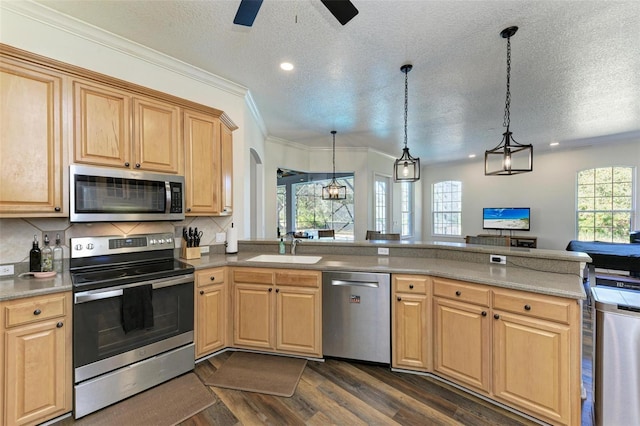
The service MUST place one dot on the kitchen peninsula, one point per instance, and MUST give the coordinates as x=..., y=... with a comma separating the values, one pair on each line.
x=510, y=333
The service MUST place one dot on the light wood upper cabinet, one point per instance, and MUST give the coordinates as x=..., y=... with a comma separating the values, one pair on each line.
x=31, y=140
x=37, y=379
x=211, y=311
x=115, y=128
x=209, y=165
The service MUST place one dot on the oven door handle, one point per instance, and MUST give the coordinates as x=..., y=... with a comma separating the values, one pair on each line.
x=106, y=293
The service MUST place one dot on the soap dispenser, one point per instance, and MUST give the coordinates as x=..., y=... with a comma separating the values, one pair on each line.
x=35, y=256
x=282, y=249
x=47, y=256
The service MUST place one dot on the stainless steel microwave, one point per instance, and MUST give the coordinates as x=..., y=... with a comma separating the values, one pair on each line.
x=99, y=194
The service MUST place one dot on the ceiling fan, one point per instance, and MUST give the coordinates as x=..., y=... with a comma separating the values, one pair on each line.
x=343, y=10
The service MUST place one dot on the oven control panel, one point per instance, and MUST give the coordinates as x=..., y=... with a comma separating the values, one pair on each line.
x=106, y=245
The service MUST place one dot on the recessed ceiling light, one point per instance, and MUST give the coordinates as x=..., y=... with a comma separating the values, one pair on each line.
x=287, y=66
x=554, y=144
x=472, y=156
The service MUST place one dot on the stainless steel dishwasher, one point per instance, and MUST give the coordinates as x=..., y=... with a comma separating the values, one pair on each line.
x=356, y=316
x=617, y=356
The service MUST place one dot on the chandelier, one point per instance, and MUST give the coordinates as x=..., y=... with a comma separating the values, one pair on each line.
x=406, y=168
x=334, y=191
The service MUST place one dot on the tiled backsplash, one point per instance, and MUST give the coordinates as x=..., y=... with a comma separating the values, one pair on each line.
x=16, y=235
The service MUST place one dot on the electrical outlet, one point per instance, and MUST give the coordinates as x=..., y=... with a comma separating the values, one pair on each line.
x=496, y=258
x=221, y=237
x=383, y=251
x=6, y=270
x=204, y=249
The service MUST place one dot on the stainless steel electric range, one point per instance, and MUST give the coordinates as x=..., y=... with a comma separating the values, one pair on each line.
x=132, y=317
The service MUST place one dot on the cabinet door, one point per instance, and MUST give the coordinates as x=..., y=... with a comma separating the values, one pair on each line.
x=226, y=167
x=298, y=320
x=411, y=331
x=102, y=125
x=156, y=136
x=462, y=334
x=202, y=160
x=30, y=140
x=38, y=372
x=211, y=319
x=253, y=316
x=531, y=367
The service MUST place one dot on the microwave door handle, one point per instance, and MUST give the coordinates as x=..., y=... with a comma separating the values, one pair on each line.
x=167, y=197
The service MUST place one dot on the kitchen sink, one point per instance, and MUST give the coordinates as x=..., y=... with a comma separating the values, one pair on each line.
x=284, y=258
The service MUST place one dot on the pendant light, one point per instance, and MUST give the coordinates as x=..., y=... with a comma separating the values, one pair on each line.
x=334, y=191
x=514, y=158
x=406, y=168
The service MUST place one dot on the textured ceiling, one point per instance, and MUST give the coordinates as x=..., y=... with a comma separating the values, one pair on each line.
x=575, y=75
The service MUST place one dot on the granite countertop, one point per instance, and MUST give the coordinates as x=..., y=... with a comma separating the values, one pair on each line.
x=512, y=277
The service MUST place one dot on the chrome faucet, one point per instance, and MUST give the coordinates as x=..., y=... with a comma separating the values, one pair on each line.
x=294, y=243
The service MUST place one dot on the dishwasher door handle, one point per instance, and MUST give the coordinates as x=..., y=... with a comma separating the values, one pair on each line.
x=350, y=283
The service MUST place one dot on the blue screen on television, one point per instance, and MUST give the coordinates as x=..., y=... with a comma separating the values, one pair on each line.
x=507, y=218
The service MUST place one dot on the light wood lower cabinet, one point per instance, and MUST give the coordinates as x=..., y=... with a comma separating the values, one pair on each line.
x=277, y=310
x=211, y=311
x=462, y=333
x=37, y=378
x=411, y=322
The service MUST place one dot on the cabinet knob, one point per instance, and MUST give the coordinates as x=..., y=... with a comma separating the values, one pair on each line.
x=137, y=165
x=496, y=316
x=270, y=290
x=201, y=291
x=411, y=286
x=59, y=325
x=458, y=292
x=188, y=209
x=37, y=312
x=212, y=277
x=399, y=299
x=56, y=208
x=126, y=164
x=484, y=313
x=527, y=307
x=277, y=290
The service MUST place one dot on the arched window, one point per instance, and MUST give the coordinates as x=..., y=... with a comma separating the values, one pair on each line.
x=605, y=204
x=446, y=207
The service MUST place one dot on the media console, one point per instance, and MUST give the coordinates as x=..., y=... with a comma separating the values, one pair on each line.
x=518, y=240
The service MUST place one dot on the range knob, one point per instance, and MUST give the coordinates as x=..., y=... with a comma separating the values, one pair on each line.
x=78, y=247
x=161, y=240
x=152, y=242
x=90, y=246
x=169, y=240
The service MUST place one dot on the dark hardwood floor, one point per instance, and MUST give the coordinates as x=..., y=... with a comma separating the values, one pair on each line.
x=345, y=393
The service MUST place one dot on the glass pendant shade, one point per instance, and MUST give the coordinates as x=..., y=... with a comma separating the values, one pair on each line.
x=509, y=157
x=334, y=191
x=406, y=168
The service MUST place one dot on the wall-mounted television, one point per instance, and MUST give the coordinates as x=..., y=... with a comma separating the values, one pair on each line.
x=506, y=218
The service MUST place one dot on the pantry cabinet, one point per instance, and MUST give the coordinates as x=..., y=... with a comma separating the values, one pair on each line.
x=277, y=310
x=31, y=140
x=37, y=378
x=116, y=128
x=411, y=322
x=211, y=311
x=209, y=165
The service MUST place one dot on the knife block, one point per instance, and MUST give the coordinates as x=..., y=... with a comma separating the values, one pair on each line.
x=190, y=252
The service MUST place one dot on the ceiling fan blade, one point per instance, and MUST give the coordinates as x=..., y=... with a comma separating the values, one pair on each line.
x=343, y=10
x=247, y=12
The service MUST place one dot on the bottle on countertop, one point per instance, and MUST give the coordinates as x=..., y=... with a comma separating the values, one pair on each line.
x=35, y=257
x=47, y=256
x=282, y=248
x=57, y=255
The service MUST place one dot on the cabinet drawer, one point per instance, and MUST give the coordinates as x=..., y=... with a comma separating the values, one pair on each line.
x=299, y=278
x=458, y=290
x=416, y=284
x=254, y=276
x=34, y=309
x=538, y=306
x=210, y=276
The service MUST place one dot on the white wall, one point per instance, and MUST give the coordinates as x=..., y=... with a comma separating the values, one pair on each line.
x=550, y=190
